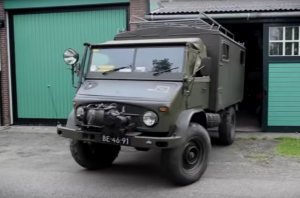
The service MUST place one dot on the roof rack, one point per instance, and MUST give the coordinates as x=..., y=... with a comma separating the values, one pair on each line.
x=198, y=22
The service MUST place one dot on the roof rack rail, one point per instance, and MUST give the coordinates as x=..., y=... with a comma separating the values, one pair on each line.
x=198, y=22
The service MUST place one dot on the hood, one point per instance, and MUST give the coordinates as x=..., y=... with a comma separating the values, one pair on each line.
x=130, y=89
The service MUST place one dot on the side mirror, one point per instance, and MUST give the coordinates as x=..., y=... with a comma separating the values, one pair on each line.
x=206, y=62
x=71, y=57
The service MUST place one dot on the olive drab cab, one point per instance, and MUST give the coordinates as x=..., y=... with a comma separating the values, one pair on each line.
x=161, y=86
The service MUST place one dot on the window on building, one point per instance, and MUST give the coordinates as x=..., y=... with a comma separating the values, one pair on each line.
x=242, y=57
x=284, y=41
x=225, y=52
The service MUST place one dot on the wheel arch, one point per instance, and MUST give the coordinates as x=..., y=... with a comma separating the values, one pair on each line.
x=192, y=115
x=199, y=118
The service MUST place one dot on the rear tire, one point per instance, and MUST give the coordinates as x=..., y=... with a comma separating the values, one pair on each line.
x=227, y=127
x=93, y=156
x=186, y=164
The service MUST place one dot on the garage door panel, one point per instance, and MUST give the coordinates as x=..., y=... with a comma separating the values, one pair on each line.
x=43, y=81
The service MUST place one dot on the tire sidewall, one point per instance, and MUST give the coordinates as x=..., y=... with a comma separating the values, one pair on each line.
x=173, y=158
x=103, y=155
x=226, y=129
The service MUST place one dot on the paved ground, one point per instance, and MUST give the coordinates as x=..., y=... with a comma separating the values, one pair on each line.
x=38, y=165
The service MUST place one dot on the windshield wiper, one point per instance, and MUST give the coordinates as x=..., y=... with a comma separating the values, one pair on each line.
x=116, y=69
x=163, y=71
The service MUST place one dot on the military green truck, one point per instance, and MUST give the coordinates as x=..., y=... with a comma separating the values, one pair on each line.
x=160, y=86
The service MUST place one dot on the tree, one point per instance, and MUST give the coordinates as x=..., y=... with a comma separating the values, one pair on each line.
x=160, y=65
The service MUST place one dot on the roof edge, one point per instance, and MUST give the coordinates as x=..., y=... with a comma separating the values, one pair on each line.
x=238, y=15
x=161, y=12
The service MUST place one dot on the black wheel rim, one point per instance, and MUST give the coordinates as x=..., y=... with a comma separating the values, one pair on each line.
x=192, y=156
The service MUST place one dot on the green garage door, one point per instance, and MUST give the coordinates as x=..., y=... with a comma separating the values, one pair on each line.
x=281, y=78
x=43, y=81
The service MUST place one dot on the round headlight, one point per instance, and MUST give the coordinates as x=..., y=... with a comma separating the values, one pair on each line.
x=79, y=112
x=71, y=56
x=150, y=118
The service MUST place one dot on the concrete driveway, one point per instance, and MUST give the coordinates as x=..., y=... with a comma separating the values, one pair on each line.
x=40, y=165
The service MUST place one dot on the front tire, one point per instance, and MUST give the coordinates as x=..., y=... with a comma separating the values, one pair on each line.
x=186, y=164
x=93, y=156
x=227, y=127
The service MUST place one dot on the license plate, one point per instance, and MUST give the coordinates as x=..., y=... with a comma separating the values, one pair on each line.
x=116, y=140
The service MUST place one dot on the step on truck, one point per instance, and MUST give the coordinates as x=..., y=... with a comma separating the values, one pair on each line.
x=160, y=86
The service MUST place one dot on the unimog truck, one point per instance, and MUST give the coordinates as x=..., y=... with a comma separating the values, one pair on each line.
x=160, y=86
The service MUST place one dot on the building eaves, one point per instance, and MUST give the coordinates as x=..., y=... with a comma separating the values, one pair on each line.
x=225, y=6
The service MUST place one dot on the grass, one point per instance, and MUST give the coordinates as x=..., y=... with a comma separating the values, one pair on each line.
x=253, y=138
x=289, y=147
x=259, y=157
x=247, y=138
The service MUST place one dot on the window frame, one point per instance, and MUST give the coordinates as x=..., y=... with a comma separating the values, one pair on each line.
x=222, y=51
x=134, y=75
x=284, y=41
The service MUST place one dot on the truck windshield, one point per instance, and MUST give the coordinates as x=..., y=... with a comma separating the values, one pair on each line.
x=142, y=59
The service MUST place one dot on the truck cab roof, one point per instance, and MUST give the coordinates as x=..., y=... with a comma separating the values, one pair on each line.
x=196, y=42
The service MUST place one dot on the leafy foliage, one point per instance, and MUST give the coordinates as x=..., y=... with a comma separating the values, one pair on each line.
x=160, y=65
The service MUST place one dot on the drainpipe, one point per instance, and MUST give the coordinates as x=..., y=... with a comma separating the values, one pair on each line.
x=224, y=15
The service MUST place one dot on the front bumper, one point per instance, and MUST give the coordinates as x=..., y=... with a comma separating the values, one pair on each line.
x=135, y=141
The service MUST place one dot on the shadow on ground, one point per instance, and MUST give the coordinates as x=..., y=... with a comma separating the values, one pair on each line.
x=48, y=155
x=139, y=169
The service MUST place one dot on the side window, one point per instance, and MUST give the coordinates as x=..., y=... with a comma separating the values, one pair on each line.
x=225, y=52
x=242, y=57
